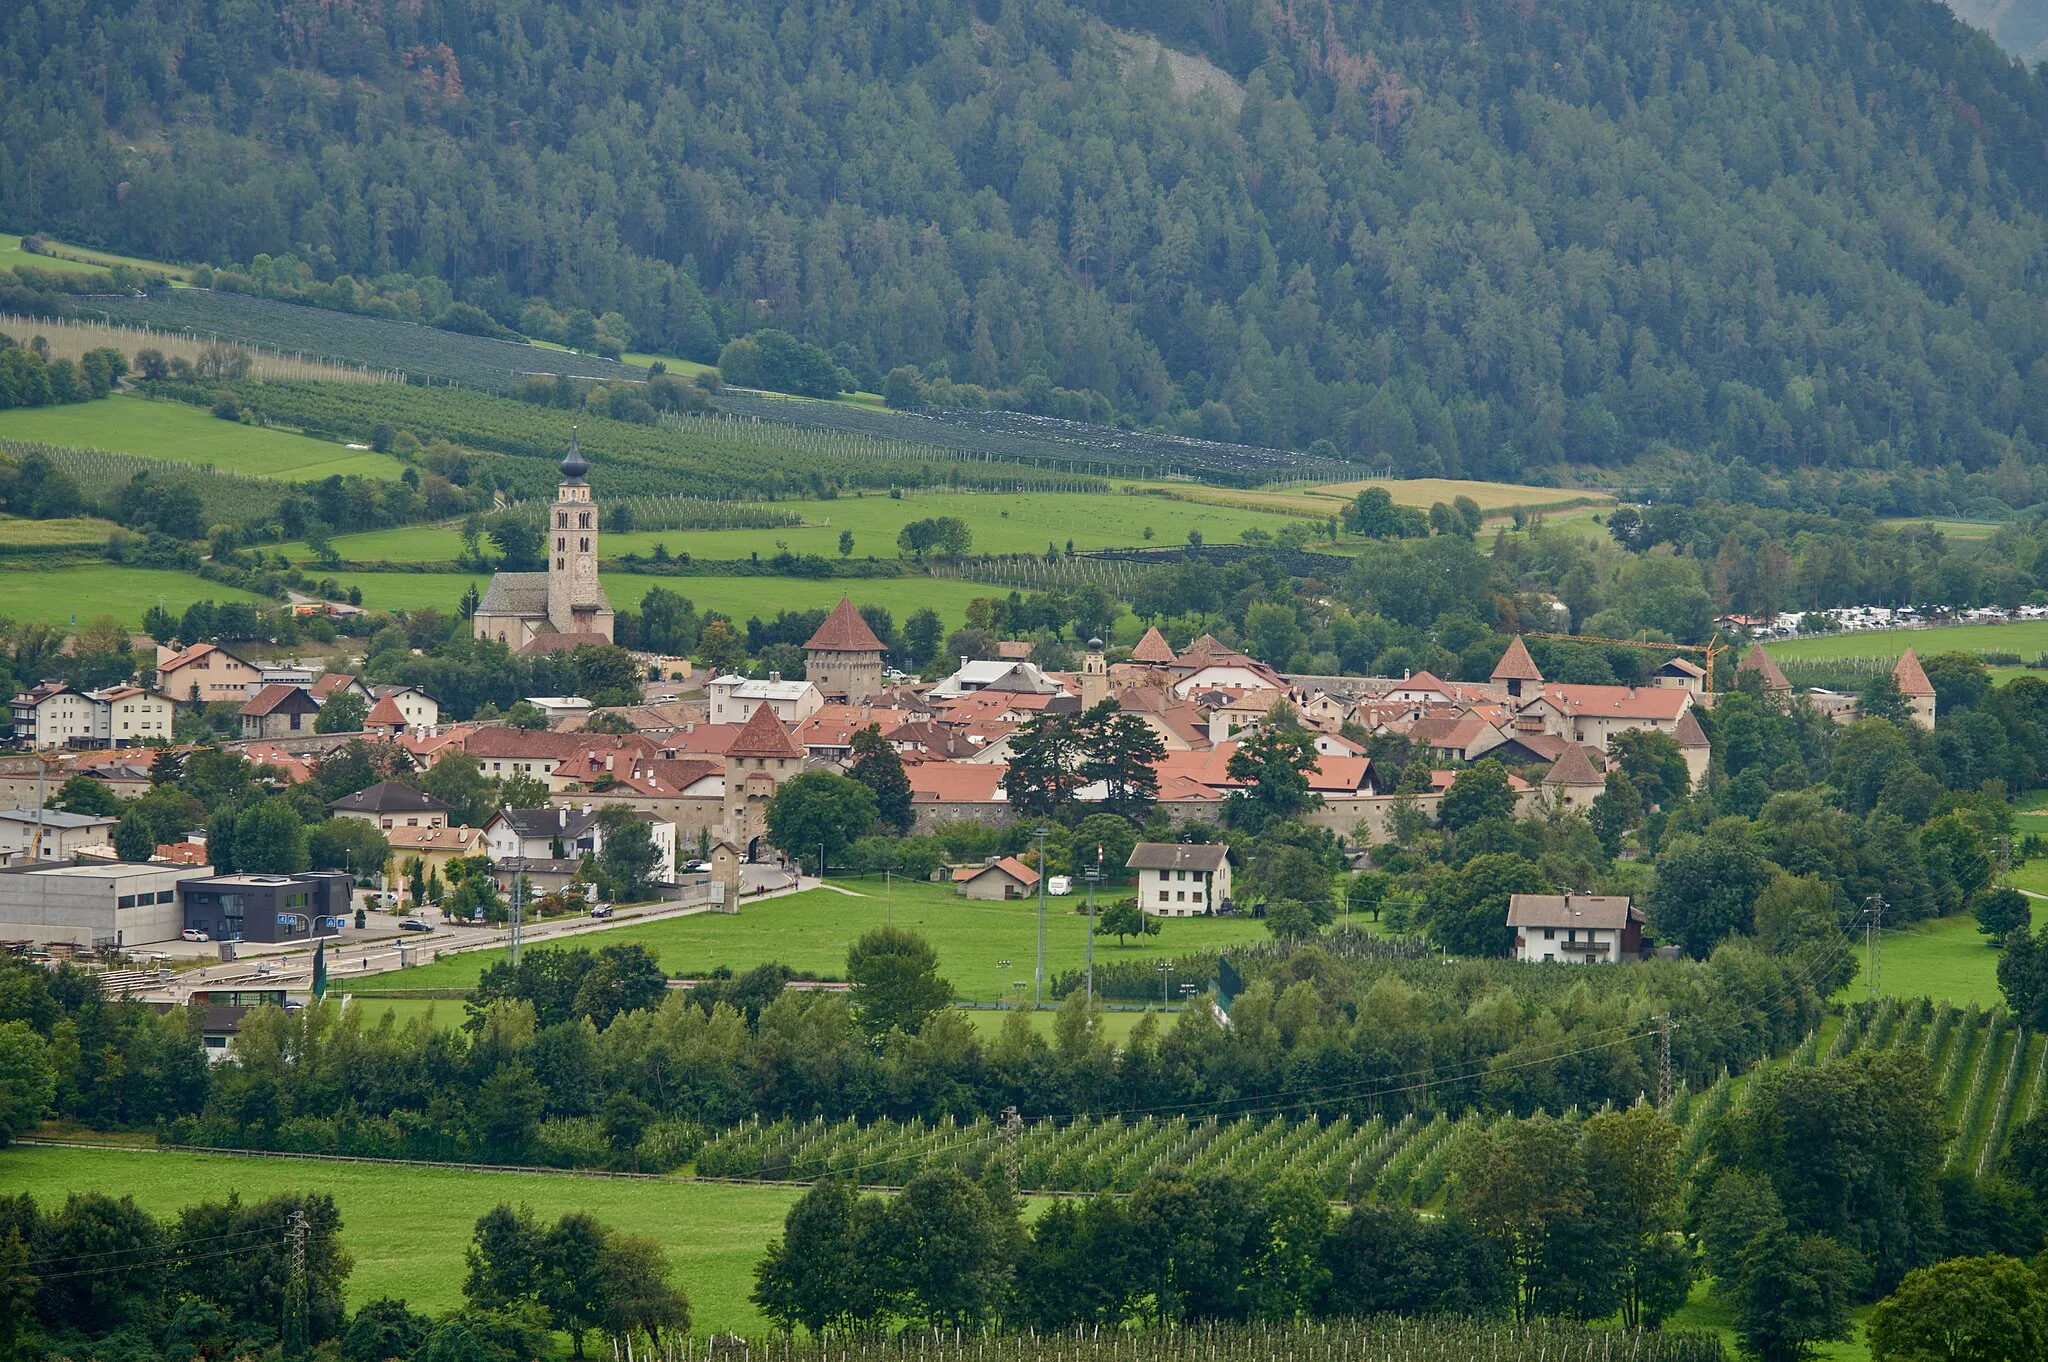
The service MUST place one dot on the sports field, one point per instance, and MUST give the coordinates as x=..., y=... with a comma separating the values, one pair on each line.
x=407, y=1227
x=179, y=433
x=60, y=595
x=984, y=948
x=739, y=597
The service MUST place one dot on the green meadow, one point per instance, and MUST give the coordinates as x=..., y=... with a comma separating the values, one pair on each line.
x=2028, y=638
x=984, y=948
x=407, y=1227
x=179, y=433
x=739, y=597
x=61, y=594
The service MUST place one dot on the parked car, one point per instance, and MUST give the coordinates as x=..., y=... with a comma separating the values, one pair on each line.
x=696, y=867
x=413, y=924
x=600, y=910
x=194, y=934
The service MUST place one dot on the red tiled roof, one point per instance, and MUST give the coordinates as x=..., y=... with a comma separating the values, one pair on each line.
x=560, y=643
x=1009, y=865
x=702, y=740
x=763, y=735
x=844, y=631
x=1689, y=733
x=325, y=686
x=1620, y=702
x=1346, y=775
x=1573, y=767
x=384, y=714
x=1515, y=664
x=1153, y=648
x=1912, y=677
x=1758, y=661
x=273, y=697
x=954, y=782
x=522, y=744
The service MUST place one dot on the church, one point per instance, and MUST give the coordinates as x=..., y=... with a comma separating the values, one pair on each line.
x=565, y=606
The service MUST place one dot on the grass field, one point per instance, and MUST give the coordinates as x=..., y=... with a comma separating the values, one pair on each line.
x=58, y=595
x=811, y=931
x=407, y=1227
x=1331, y=498
x=74, y=259
x=2028, y=638
x=739, y=597
x=1001, y=523
x=84, y=530
x=178, y=433
x=1946, y=959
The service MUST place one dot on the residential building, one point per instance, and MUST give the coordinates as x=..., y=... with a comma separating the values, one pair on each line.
x=136, y=714
x=843, y=659
x=204, y=673
x=268, y=908
x=54, y=715
x=384, y=719
x=279, y=711
x=419, y=709
x=1593, y=714
x=734, y=698
x=391, y=805
x=565, y=604
x=1181, y=880
x=335, y=683
x=540, y=834
x=1008, y=878
x=32, y=835
x=109, y=904
x=433, y=847
x=1578, y=927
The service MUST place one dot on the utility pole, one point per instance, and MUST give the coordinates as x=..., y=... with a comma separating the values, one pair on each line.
x=1038, y=989
x=296, y=1292
x=1664, y=1061
x=1093, y=874
x=1873, y=928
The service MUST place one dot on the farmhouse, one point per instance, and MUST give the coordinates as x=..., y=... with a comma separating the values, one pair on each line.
x=1580, y=927
x=1008, y=878
x=1178, y=880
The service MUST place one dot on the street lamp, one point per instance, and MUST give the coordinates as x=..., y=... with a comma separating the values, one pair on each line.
x=1038, y=989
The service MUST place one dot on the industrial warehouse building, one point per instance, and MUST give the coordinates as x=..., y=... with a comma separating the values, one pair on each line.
x=94, y=904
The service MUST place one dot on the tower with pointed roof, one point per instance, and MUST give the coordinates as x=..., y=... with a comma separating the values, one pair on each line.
x=1916, y=688
x=564, y=605
x=1517, y=671
x=844, y=658
x=760, y=760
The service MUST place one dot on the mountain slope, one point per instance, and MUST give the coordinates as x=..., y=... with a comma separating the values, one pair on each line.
x=2021, y=26
x=1444, y=236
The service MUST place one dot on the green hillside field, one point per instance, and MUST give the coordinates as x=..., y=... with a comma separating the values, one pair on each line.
x=2028, y=638
x=59, y=595
x=407, y=1227
x=178, y=433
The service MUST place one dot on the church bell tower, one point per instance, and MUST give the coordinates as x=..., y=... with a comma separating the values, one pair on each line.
x=576, y=602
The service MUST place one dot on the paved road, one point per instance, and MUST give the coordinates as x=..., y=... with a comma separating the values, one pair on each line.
x=380, y=945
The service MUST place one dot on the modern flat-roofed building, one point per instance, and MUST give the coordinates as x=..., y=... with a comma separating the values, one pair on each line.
x=268, y=907
x=94, y=904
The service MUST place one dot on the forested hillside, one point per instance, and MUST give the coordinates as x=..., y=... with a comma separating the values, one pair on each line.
x=1462, y=236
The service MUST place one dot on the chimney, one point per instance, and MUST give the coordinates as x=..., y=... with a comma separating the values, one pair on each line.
x=1219, y=727
x=1404, y=673
x=774, y=676
x=562, y=820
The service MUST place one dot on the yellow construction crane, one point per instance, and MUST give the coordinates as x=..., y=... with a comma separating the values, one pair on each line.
x=1711, y=650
